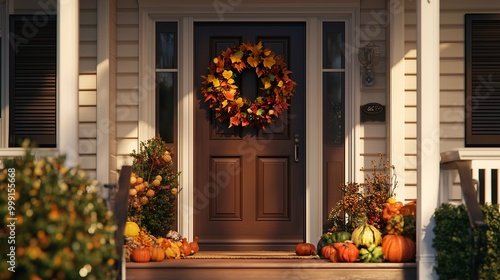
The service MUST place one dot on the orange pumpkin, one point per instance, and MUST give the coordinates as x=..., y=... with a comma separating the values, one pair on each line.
x=327, y=251
x=347, y=251
x=409, y=209
x=334, y=256
x=398, y=248
x=140, y=255
x=305, y=249
x=157, y=254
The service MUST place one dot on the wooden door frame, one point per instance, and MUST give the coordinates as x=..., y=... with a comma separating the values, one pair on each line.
x=152, y=11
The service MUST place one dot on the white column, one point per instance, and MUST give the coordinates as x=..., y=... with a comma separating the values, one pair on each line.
x=67, y=79
x=427, y=132
x=397, y=93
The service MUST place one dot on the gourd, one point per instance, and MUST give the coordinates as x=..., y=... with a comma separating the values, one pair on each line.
x=366, y=235
x=391, y=209
x=131, y=229
x=157, y=254
x=395, y=224
x=398, y=248
x=326, y=251
x=321, y=243
x=305, y=249
x=185, y=248
x=140, y=255
x=341, y=236
x=195, y=248
x=347, y=251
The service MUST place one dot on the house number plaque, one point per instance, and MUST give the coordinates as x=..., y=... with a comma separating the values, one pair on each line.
x=373, y=112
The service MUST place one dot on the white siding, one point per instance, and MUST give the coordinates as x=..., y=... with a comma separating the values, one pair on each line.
x=451, y=82
x=87, y=111
x=373, y=135
x=127, y=86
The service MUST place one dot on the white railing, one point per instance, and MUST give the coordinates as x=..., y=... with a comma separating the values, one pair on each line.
x=484, y=165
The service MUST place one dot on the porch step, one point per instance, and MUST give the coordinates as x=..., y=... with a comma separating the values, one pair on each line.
x=267, y=269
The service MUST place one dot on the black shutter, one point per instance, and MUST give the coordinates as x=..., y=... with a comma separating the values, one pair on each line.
x=482, y=80
x=32, y=82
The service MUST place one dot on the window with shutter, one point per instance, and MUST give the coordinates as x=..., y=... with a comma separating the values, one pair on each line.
x=32, y=80
x=482, y=80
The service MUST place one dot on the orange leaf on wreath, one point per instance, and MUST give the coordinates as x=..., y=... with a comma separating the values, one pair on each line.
x=234, y=120
x=229, y=94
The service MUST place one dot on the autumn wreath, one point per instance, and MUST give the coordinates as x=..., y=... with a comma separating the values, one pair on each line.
x=222, y=94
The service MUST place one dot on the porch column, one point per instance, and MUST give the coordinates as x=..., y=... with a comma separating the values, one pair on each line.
x=397, y=92
x=106, y=93
x=67, y=79
x=427, y=133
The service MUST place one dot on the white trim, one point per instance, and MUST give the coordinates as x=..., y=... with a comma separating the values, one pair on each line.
x=314, y=146
x=186, y=15
x=396, y=125
x=68, y=30
x=185, y=116
x=4, y=122
x=428, y=164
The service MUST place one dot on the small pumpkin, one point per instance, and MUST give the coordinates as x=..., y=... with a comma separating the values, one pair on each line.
x=195, y=248
x=141, y=255
x=131, y=229
x=326, y=251
x=347, y=251
x=305, y=249
x=398, y=248
x=409, y=209
x=157, y=254
x=366, y=235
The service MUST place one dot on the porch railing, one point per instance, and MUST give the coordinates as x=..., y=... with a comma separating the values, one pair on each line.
x=478, y=179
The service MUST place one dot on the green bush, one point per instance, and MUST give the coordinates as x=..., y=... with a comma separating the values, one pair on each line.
x=53, y=225
x=454, y=246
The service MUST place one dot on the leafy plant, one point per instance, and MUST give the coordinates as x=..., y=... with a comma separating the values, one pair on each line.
x=455, y=249
x=362, y=202
x=57, y=226
x=152, y=205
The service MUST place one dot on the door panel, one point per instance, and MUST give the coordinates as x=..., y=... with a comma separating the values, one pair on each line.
x=249, y=190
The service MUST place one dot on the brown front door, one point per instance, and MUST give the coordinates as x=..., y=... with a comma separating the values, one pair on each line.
x=249, y=191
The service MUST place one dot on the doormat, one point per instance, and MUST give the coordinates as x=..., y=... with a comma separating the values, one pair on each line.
x=248, y=255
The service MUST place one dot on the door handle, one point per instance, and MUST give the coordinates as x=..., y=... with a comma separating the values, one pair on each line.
x=297, y=148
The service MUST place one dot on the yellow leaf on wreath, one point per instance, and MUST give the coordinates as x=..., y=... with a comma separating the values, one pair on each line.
x=269, y=62
x=228, y=74
x=252, y=61
x=224, y=103
x=239, y=102
x=236, y=57
x=266, y=82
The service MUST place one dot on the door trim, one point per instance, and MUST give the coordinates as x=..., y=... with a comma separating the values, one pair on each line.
x=348, y=11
